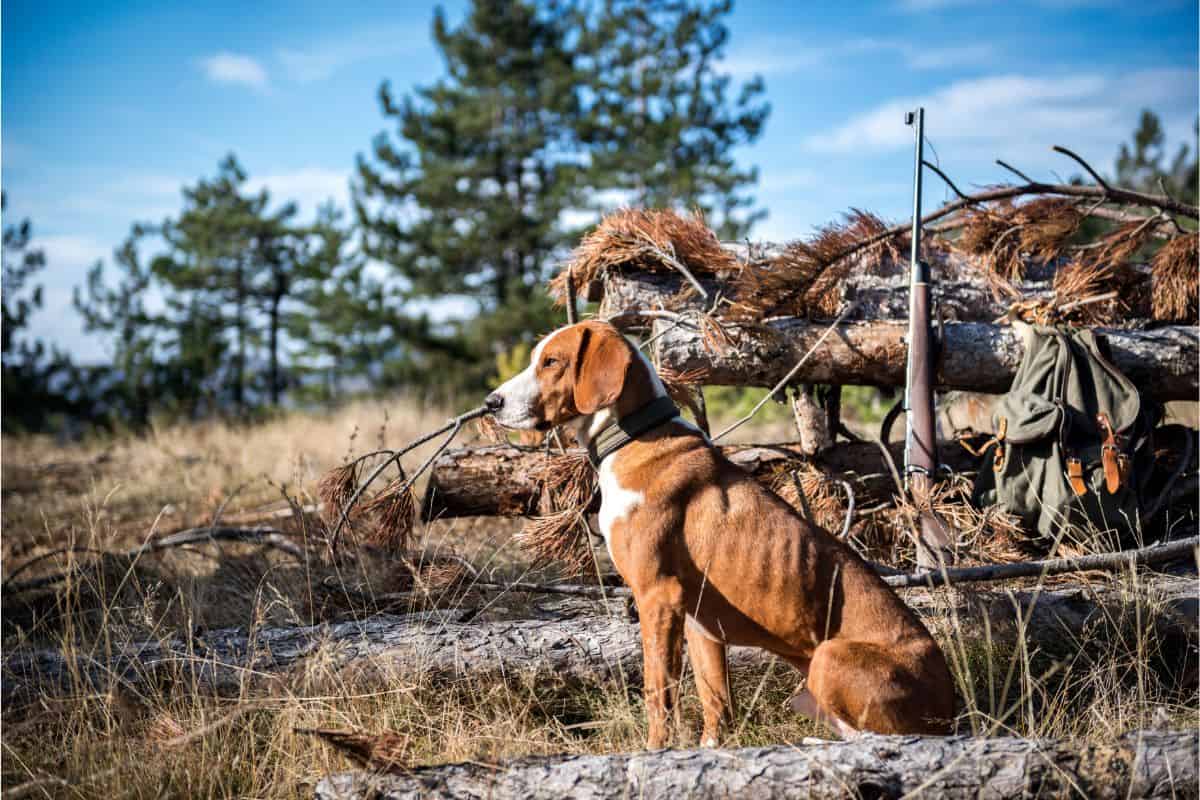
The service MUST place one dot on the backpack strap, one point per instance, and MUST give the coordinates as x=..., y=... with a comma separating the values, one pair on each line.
x=1112, y=456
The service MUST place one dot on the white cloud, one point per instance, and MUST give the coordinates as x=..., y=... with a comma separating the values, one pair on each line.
x=308, y=187
x=776, y=56
x=1021, y=116
x=320, y=60
x=69, y=252
x=236, y=69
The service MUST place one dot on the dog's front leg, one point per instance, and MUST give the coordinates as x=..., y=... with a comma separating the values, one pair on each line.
x=661, y=612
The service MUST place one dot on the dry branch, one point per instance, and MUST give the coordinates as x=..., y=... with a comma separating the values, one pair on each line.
x=570, y=647
x=269, y=537
x=1139, y=764
x=506, y=480
x=1164, y=362
x=1156, y=554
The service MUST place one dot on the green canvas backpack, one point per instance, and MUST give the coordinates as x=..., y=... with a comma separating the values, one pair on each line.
x=1072, y=440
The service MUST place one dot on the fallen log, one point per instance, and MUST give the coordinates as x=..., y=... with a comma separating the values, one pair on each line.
x=500, y=480
x=570, y=646
x=878, y=296
x=1164, y=362
x=1139, y=764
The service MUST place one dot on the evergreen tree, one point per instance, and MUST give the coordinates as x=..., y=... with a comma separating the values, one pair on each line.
x=469, y=201
x=136, y=380
x=1141, y=166
x=543, y=105
x=37, y=385
x=663, y=126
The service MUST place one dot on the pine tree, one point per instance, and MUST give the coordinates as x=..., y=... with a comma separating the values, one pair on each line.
x=38, y=385
x=663, y=126
x=1141, y=166
x=467, y=200
x=545, y=105
x=136, y=380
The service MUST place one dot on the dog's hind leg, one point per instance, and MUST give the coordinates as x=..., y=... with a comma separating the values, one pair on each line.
x=712, y=681
x=803, y=702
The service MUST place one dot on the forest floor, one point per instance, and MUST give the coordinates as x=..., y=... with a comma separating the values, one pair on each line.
x=115, y=492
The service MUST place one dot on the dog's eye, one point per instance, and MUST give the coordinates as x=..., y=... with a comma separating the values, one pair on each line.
x=549, y=361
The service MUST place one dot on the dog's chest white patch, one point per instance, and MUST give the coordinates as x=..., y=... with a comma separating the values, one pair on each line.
x=616, y=501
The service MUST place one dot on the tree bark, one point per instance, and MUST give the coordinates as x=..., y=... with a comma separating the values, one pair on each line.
x=812, y=422
x=1139, y=764
x=575, y=645
x=498, y=480
x=1164, y=362
x=879, y=296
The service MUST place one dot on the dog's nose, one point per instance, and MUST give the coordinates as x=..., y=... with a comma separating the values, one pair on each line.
x=494, y=402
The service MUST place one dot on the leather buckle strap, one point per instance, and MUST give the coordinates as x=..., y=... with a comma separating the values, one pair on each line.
x=1111, y=457
x=1075, y=476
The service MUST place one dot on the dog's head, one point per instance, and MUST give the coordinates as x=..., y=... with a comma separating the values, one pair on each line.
x=575, y=371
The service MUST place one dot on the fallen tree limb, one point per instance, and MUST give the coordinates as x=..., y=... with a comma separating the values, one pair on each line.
x=881, y=294
x=951, y=576
x=978, y=357
x=1155, y=554
x=569, y=647
x=1139, y=764
x=500, y=480
x=268, y=537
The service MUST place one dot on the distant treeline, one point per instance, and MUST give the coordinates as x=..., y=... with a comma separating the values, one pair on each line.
x=548, y=112
x=545, y=110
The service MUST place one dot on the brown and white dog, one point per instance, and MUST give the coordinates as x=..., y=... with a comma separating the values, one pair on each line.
x=714, y=558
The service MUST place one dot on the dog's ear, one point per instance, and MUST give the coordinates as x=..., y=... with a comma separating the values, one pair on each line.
x=600, y=368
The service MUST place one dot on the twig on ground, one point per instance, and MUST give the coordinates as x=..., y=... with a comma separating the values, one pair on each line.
x=1155, y=554
x=269, y=537
x=1110, y=562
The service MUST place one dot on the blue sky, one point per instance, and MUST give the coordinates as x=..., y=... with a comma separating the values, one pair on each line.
x=108, y=109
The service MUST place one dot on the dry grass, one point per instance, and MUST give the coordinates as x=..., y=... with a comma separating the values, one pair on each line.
x=178, y=739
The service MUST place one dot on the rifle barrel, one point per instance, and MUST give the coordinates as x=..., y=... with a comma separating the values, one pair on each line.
x=920, y=443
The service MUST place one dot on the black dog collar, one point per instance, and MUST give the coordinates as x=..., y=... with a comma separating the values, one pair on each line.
x=626, y=429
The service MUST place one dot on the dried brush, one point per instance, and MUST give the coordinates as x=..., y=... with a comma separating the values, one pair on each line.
x=381, y=751
x=565, y=480
x=648, y=239
x=490, y=430
x=391, y=512
x=805, y=278
x=987, y=536
x=335, y=490
x=1174, y=277
x=1047, y=226
x=811, y=494
x=560, y=533
x=561, y=537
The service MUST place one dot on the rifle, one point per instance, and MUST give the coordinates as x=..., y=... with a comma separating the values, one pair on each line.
x=934, y=547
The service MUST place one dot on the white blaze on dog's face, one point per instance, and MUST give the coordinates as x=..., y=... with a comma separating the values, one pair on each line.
x=574, y=371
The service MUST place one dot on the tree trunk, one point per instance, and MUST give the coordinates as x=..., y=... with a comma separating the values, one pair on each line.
x=239, y=380
x=812, y=421
x=499, y=480
x=580, y=647
x=1164, y=362
x=1138, y=764
x=274, y=345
